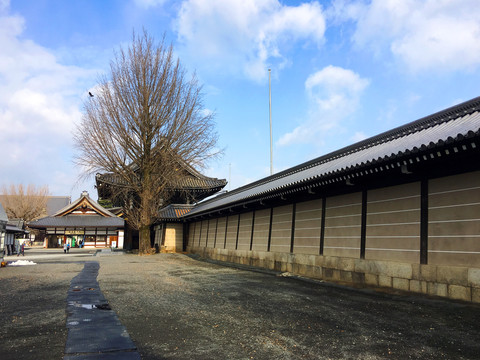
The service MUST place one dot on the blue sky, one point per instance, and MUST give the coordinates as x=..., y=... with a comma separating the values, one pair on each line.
x=341, y=71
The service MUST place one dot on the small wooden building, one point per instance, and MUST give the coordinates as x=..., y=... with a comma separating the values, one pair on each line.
x=85, y=222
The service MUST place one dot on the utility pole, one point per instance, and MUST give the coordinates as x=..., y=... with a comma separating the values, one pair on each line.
x=270, y=113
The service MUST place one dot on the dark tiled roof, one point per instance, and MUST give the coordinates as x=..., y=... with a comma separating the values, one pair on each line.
x=206, y=183
x=188, y=182
x=14, y=229
x=445, y=127
x=77, y=221
x=55, y=203
x=174, y=211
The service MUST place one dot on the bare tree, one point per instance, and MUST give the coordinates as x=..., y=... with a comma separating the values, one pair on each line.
x=144, y=121
x=27, y=203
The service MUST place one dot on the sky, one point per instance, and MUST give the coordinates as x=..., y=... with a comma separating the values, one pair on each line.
x=341, y=71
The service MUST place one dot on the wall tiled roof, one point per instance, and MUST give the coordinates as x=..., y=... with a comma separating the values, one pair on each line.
x=77, y=221
x=175, y=211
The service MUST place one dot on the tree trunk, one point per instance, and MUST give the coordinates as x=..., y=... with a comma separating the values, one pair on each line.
x=144, y=239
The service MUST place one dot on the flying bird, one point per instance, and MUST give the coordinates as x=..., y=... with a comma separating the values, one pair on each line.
x=89, y=93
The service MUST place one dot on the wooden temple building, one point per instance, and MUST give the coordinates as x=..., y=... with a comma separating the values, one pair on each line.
x=167, y=233
x=84, y=222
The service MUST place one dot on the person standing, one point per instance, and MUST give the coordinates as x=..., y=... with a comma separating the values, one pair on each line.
x=21, y=250
x=65, y=247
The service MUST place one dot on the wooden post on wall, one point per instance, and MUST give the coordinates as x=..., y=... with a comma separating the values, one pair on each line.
x=424, y=221
x=200, y=234
x=251, y=235
x=216, y=230
x=363, y=231
x=208, y=228
x=322, y=225
x=186, y=230
x=226, y=231
x=238, y=230
x=270, y=230
x=292, y=235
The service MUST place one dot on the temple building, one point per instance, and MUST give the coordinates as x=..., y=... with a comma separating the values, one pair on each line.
x=83, y=222
x=192, y=188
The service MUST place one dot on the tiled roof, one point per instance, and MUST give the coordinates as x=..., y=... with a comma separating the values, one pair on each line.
x=174, y=211
x=55, y=203
x=445, y=127
x=61, y=218
x=199, y=182
x=14, y=229
x=77, y=221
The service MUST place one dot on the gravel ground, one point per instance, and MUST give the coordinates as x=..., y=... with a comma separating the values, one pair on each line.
x=175, y=307
x=32, y=310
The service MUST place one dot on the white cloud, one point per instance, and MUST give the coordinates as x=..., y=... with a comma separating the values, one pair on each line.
x=149, y=3
x=333, y=93
x=246, y=36
x=425, y=35
x=4, y=5
x=358, y=136
x=39, y=105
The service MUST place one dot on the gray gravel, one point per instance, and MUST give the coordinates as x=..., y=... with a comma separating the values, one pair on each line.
x=176, y=307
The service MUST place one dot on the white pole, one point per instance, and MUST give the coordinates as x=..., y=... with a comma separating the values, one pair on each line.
x=270, y=112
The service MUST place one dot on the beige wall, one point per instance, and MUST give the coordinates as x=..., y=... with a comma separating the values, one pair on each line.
x=204, y=233
x=343, y=218
x=281, y=229
x=191, y=233
x=245, y=231
x=232, y=232
x=220, y=243
x=308, y=221
x=174, y=237
x=198, y=233
x=261, y=229
x=454, y=220
x=212, y=232
x=393, y=223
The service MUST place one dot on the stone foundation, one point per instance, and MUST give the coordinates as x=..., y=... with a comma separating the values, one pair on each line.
x=459, y=283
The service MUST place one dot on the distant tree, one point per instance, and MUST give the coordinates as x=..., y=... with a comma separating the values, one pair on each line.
x=24, y=202
x=144, y=120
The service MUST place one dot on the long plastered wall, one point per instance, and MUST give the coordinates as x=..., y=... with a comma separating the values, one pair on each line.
x=322, y=238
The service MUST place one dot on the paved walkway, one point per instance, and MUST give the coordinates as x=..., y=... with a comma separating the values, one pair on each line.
x=94, y=331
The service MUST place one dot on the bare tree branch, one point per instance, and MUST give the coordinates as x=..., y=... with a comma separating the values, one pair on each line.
x=27, y=203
